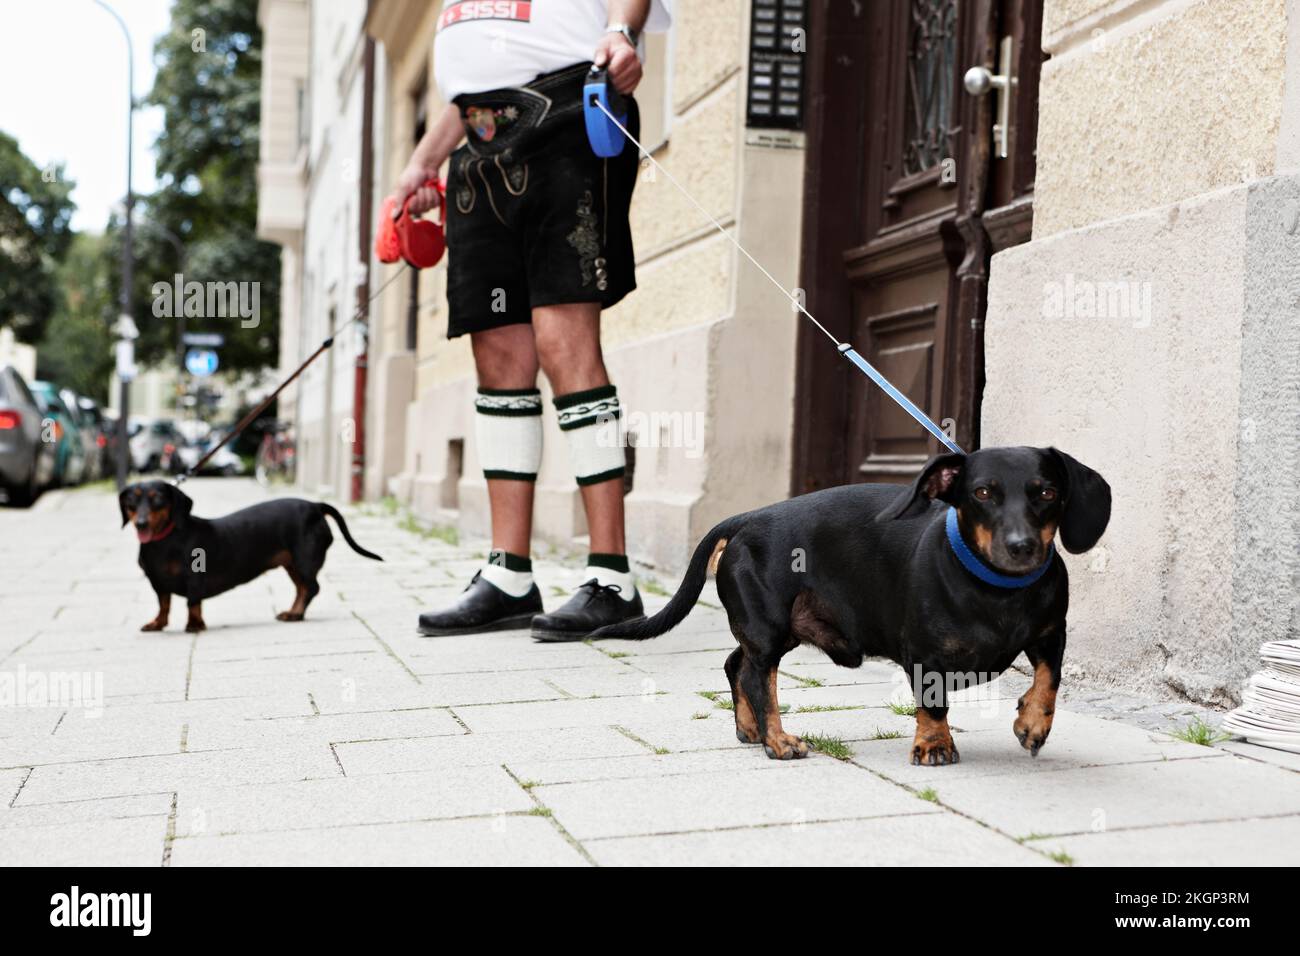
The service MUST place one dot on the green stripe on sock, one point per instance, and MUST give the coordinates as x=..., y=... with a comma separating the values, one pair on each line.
x=497, y=474
x=613, y=562
x=603, y=476
x=511, y=562
x=590, y=395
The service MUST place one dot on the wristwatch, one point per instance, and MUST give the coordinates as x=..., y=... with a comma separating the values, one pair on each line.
x=628, y=33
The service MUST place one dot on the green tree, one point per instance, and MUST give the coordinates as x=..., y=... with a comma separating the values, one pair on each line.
x=35, y=231
x=77, y=348
x=209, y=86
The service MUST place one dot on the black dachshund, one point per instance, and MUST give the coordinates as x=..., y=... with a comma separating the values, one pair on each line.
x=953, y=579
x=199, y=558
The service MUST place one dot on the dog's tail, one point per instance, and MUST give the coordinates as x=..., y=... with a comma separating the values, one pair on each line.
x=681, y=603
x=347, y=535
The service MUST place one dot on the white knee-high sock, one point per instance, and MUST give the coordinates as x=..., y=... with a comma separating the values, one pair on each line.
x=508, y=426
x=589, y=419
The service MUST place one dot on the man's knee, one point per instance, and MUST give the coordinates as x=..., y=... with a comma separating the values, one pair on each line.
x=505, y=357
x=569, y=345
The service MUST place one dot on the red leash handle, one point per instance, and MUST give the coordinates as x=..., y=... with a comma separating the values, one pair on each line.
x=439, y=185
x=420, y=242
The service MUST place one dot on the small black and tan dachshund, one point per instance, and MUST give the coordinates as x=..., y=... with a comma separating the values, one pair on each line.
x=199, y=558
x=869, y=570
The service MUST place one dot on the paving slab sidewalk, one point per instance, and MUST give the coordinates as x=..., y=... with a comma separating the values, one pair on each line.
x=350, y=739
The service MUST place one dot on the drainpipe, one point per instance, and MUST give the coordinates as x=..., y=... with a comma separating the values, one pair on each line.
x=366, y=185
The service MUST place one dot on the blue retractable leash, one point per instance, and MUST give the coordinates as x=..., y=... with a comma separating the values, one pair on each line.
x=606, y=115
x=599, y=100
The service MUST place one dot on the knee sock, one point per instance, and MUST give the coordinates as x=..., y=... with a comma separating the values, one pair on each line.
x=610, y=569
x=508, y=426
x=590, y=420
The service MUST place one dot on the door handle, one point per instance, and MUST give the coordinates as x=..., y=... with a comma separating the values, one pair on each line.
x=979, y=80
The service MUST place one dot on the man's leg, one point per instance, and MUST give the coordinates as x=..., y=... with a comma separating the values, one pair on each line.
x=568, y=348
x=506, y=360
x=508, y=426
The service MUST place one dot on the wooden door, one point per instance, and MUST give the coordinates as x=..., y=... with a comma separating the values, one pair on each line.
x=902, y=168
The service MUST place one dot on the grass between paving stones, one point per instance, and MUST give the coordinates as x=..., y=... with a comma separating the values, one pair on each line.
x=885, y=734
x=700, y=715
x=929, y=794
x=830, y=746
x=1199, y=732
x=826, y=708
x=444, y=533
x=803, y=681
x=903, y=710
x=1060, y=856
x=651, y=586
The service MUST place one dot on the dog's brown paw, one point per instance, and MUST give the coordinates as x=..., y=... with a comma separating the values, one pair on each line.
x=153, y=626
x=932, y=745
x=785, y=746
x=193, y=627
x=288, y=616
x=934, y=750
x=1032, y=726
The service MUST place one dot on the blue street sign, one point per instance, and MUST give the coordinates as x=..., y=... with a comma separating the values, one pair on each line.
x=201, y=362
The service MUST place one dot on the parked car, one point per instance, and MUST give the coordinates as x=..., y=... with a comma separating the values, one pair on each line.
x=224, y=462
x=108, y=428
x=26, y=462
x=87, y=431
x=70, y=453
x=153, y=441
x=102, y=428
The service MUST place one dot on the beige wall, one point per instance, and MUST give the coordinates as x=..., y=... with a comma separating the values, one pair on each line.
x=1161, y=127
x=1143, y=104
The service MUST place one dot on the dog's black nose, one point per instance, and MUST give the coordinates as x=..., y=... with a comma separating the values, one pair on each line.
x=1020, y=548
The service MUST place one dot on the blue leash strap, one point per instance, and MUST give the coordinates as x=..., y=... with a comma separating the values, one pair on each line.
x=599, y=135
x=905, y=403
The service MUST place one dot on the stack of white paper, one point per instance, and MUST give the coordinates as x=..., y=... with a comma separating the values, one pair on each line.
x=1269, y=714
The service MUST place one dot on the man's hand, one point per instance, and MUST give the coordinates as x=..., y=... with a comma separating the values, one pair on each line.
x=412, y=183
x=619, y=58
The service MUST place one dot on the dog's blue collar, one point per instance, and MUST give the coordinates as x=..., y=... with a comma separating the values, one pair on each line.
x=971, y=562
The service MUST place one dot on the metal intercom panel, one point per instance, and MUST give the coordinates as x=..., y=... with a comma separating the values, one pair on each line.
x=778, y=49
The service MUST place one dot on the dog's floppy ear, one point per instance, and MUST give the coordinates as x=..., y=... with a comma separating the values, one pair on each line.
x=938, y=479
x=182, y=504
x=1087, y=504
x=121, y=504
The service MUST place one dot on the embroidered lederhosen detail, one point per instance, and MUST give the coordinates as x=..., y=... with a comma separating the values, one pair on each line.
x=514, y=175
x=584, y=241
x=465, y=192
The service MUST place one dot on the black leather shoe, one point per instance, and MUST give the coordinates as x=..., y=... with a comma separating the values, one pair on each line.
x=483, y=607
x=593, y=605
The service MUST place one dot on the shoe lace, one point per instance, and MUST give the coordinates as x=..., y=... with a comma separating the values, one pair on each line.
x=597, y=589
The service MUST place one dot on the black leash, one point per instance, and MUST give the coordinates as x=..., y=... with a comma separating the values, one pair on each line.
x=262, y=406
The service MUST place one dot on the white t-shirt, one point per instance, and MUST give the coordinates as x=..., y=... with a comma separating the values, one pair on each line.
x=491, y=44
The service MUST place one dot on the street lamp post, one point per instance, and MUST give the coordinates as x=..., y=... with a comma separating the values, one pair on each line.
x=125, y=325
